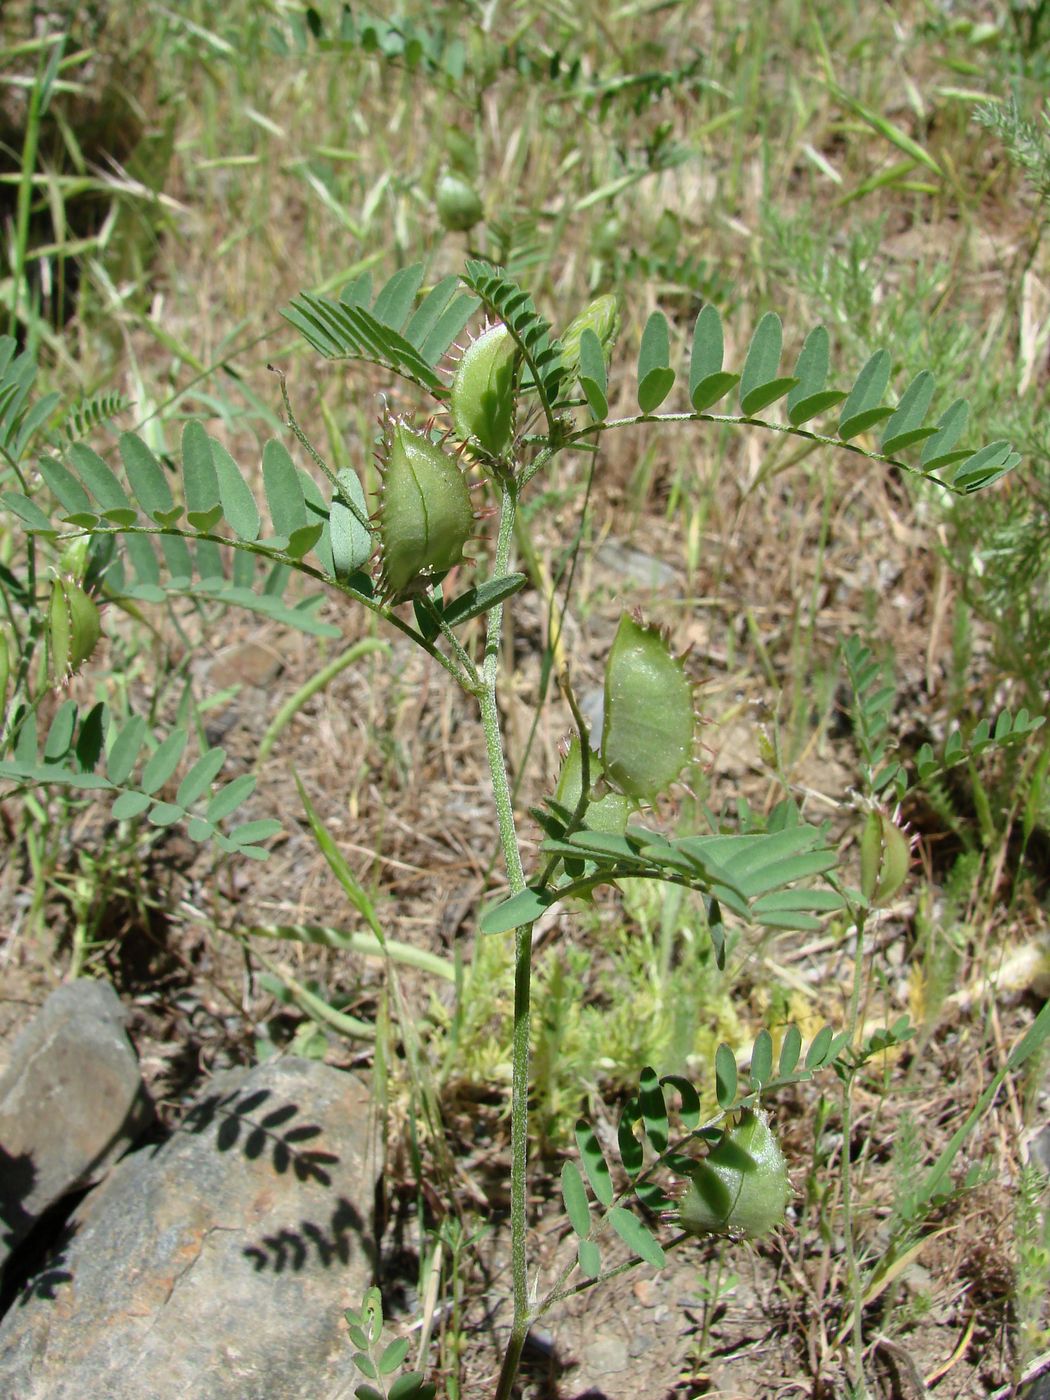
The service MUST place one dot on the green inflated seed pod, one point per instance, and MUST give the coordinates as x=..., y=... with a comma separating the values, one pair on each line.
x=459, y=206
x=425, y=516
x=608, y=813
x=602, y=317
x=482, y=394
x=647, y=734
x=741, y=1188
x=73, y=628
x=885, y=857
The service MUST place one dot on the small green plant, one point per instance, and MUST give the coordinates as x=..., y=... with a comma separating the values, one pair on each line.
x=380, y=1362
x=518, y=398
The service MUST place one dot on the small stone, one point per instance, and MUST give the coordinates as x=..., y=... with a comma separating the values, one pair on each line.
x=605, y=1355
x=244, y=663
x=634, y=564
x=72, y=1102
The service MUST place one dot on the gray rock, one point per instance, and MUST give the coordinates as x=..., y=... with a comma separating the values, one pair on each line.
x=71, y=1102
x=216, y=1266
x=637, y=566
x=604, y=1355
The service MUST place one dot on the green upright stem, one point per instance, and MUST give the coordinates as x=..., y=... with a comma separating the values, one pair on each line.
x=522, y=957
x=852, y=1269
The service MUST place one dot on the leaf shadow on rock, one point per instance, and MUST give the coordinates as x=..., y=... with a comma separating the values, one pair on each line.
x=41, y=1264
x=291, y=1249
x=17, y=1178
x=257, y=1124
x=240, y=1124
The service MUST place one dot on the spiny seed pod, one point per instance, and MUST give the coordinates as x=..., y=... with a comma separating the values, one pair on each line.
x=482, y=396
x=608, y=813
x=647, y=734
x=741, y=1187
x=458, y=205
x=73, y=628
x=425, y=517
x=884, y=858
x=602, y=317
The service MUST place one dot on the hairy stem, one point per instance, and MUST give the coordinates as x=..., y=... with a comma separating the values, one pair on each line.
x=522, y=956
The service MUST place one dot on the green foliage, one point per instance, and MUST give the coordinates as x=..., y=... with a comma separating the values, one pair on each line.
x=540, y=350
x=406, y=339
x=152, y=535
x=378, y=1362
x=91, y=753
x=1027, y=142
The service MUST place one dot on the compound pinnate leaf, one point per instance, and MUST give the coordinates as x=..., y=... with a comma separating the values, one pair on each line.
x=284, y=491
x=725, y=1076
x=863, y=407
x=592, y=374
x=589, y=1256
x=523, y=908
x=229, y=798
x=631, y=1154
x=201, y=776
x=655, y=376
x=904, y=426
x=574, y=1194
x=939, y=450
x=238, y=503
x=412, y=1386
x=690, y=1109
x=164, y=761
x=351, y=541
x=99, y=479
x=761, y=1059
x=594, y=1163
x=819, y=1047
x=654, y=1108
x=636, y=1236
x=130, y=804
x=125, y=750
x=762, y=362
x=146, y=476
x=790, y=1050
